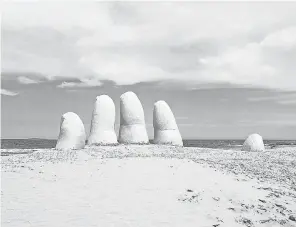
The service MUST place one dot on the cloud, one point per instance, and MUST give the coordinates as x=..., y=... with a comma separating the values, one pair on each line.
x=284, y=99
x=123, y=69
x=287, y=101
x=273, y=122
x=26, y=80
x=83, y=83
x=258, y=63
x=7, y=92
x=127, y=43
x=285, y=38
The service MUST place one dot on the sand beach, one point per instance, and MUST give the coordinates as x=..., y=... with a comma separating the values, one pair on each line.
x=148, y=185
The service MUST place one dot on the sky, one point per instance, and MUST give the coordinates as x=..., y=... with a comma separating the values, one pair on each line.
x=226, y=69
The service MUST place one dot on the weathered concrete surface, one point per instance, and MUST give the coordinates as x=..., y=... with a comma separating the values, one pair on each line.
x=166, y=130
x=102, y=130
x=132, y=120
x=72, y=133
x=254, y=142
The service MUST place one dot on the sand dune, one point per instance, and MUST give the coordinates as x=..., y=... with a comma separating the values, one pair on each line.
x=149, y=185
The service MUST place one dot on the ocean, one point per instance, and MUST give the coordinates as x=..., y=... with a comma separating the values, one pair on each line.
x=222, y=144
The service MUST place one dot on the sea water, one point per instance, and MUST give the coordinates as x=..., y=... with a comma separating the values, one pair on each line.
x=218, y=144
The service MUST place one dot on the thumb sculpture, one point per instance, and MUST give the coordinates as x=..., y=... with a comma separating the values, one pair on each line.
x=102, y=130
x=132, y=120
x=72, y=132
x=165, y=127
x=254, y=142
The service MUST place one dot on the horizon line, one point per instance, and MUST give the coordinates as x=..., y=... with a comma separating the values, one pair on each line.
x=152, y=139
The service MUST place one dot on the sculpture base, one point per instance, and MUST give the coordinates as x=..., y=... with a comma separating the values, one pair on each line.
x=169, y=137
x=133, y=134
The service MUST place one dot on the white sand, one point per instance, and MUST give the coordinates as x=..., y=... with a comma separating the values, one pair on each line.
x=149, y=186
